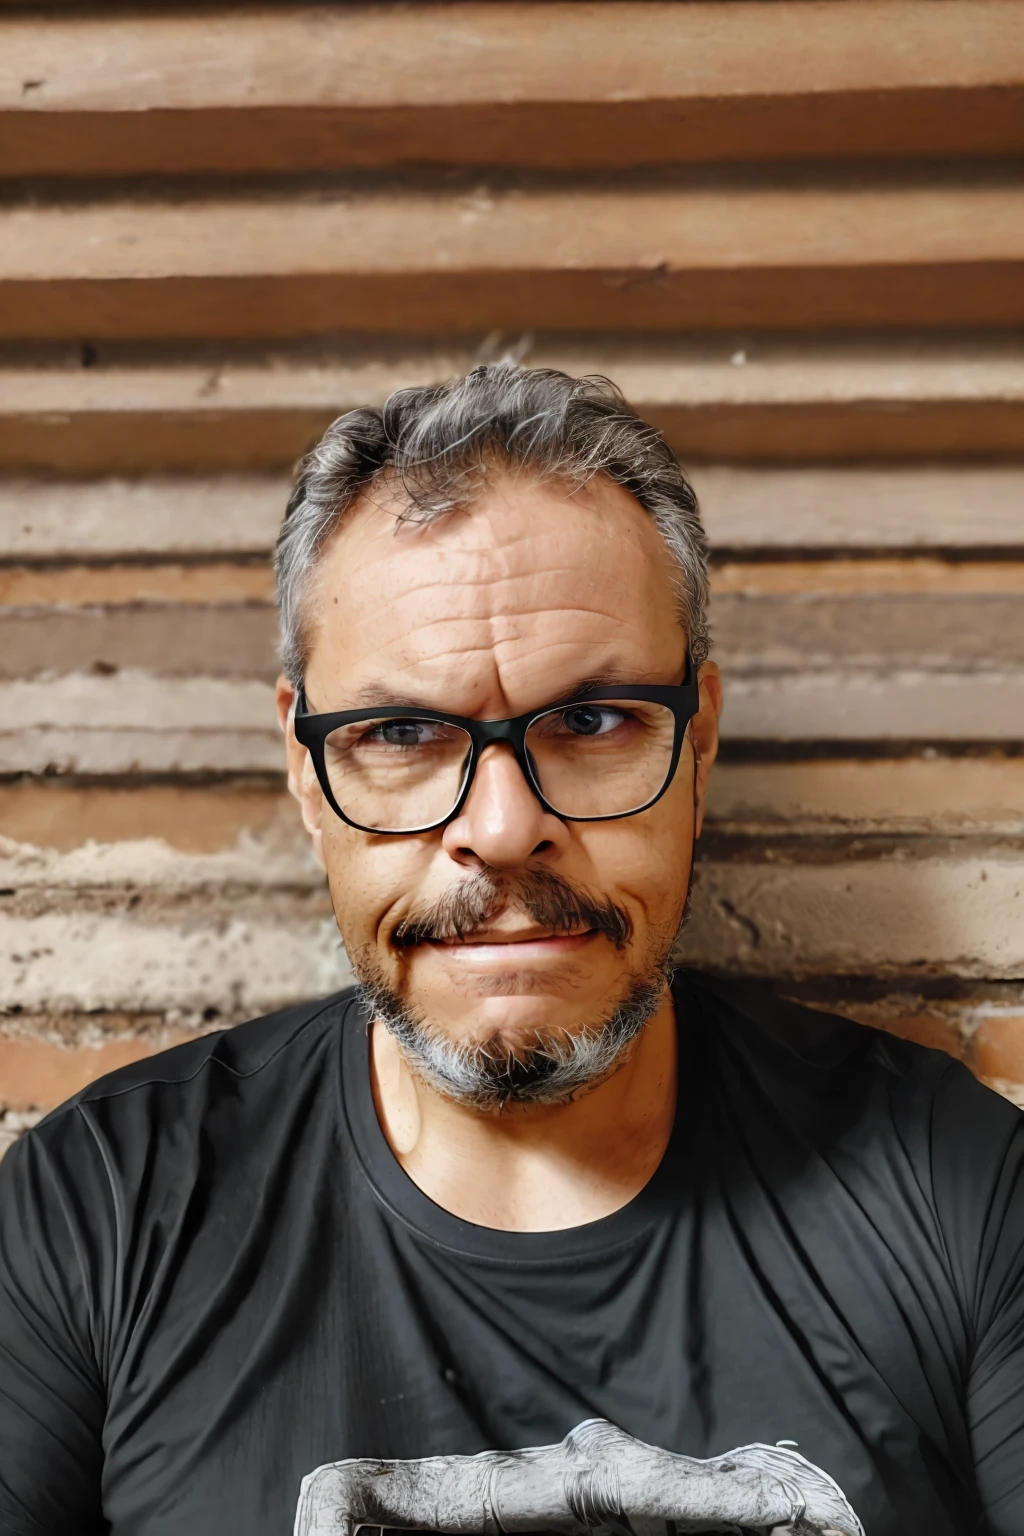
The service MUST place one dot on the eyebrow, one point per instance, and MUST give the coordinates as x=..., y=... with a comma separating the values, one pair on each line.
x=374, y=696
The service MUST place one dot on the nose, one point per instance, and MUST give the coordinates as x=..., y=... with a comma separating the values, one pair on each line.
x=502, y=824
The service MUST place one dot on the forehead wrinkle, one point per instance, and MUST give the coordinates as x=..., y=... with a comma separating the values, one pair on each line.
x=490, y=571
x=487, y=592
x=563, y=656
x=378, y=694
x=474, y=654
x=445, y=645
x=448, y=629
x=499, y=553
x=552, y=671
x=509, y=604
x=509, y=624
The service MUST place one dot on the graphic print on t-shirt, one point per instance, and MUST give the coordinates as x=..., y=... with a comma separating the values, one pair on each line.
x=599, y=1479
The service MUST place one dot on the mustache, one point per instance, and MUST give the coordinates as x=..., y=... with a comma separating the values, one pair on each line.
x=548, y=898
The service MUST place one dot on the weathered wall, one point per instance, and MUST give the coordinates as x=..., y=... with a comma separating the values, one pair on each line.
x=792, y=230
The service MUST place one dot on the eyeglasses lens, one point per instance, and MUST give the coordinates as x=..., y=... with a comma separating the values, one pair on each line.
x=397, y=775
x=605, y=758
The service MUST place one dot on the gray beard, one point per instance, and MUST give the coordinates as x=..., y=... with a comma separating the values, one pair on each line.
x=487, y=1075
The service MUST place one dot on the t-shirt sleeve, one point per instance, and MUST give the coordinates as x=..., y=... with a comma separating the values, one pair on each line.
x=52, y=1397
x=979, y=1186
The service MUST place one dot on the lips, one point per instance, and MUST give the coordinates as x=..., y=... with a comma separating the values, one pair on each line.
x=538, y=907
x=518, y=936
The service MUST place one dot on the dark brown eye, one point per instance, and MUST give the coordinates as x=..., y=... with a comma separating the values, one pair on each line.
x=401, y=733
x=591, y=719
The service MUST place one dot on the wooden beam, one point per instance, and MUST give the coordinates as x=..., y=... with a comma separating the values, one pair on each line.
x=138, y=723
x=547, y=85
x=223, y=640
x=910, y=910
x=207, y=954
x=919, y=796
x=152, y=516
x=218, y=582
x=805, y=628
x=143, y=722
x=191, y=818
x=864, y=706
x=913, y=910
x=913, y=506
x=755, y=580
x=755, y=399
x=765, y=509
x=809, y=632
x=689, y=256
x=230, y=586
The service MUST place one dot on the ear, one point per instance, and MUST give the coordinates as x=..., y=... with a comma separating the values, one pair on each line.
x=302, y=779
x=703, y=733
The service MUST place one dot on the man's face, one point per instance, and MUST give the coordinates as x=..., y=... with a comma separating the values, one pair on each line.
x=489, y=613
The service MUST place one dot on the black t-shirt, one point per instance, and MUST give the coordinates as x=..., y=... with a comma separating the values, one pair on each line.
x=215, y=1279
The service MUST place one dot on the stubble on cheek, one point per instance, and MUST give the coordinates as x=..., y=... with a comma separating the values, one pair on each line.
x=369, y=895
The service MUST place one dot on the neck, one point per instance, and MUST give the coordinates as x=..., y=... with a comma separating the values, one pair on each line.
x=534, y=1167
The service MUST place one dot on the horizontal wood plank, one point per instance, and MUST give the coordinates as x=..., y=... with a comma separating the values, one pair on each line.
x=766, y=399
x=550, y=85
x=907, y=706
x=758, y=630
x=905, y=913
x=835, y=578
x=199, y=958
x=232, y=585
x=191, y=818
x=150, y=515
x=959, y=796
x=123, y=583
x=690, y=256
x=746, y=510
x=805, y=632
x=864, y=507
x=273, y=857
x=471, y=52
x=138, y=722
x=944, y=911
x=923, y=796
x=238, y=641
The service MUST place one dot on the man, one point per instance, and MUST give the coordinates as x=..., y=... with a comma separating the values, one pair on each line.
x=523, y=1234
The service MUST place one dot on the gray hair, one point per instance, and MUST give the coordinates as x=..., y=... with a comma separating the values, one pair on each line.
x=437, y=445
x=488, y=1075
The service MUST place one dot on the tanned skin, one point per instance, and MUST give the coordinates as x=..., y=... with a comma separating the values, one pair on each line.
x=491, y=612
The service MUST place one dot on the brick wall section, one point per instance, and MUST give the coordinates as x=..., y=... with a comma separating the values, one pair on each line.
x=792, y=231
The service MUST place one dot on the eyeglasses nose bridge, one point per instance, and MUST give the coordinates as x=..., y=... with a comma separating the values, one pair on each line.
x=498, y=730
x=511, y=733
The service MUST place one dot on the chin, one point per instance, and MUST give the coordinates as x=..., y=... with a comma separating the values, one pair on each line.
x=547, y=991
x=508, y=1010
x=546, y=985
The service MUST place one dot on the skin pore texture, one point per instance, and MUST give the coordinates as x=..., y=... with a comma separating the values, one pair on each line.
x=489, y=612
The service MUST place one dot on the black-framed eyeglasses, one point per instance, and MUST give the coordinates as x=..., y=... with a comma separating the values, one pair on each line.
x=607, y=753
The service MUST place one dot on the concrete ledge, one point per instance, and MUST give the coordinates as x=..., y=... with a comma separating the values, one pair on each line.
x=902, y=912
